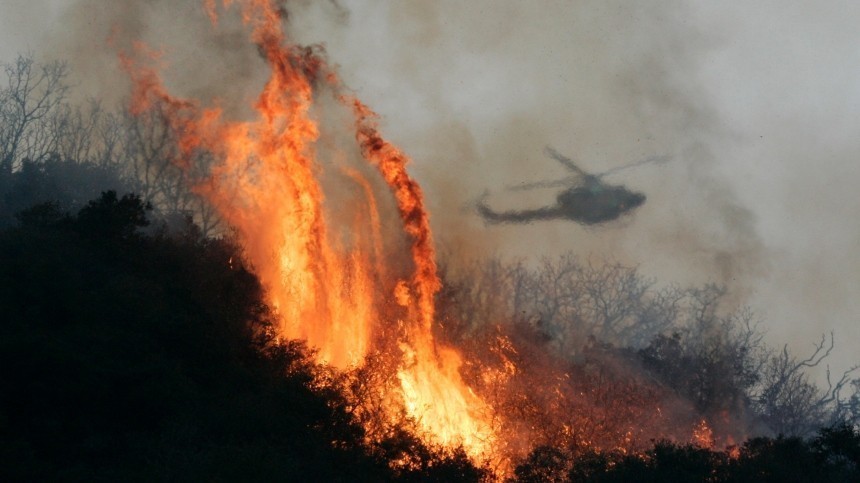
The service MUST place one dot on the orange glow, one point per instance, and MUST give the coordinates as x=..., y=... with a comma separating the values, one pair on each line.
x=339, y=235
x=433, y=390
x=329, y=285
x=732, y=448
x=703, y=435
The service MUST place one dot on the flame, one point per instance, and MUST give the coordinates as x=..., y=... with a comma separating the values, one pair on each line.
x=265, y=181
x=703, y=435
x=410, y=201
x=433, y=390
x=366, y=289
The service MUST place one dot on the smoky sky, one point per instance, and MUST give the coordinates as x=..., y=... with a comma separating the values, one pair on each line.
x=758, y=106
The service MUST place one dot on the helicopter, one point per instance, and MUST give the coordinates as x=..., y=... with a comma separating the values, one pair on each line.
x=587, y=200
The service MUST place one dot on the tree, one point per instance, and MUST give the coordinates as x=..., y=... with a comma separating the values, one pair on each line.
x=150, y=159
x=31, y=98
x=148, y=355
x=566, y=299
x=711, y=359
x=38, y=126
x=790, y=403
x=67, y=183
x=113, y=218
x=607, y=325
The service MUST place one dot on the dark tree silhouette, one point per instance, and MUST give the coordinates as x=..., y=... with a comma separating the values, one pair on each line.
x=130, y=356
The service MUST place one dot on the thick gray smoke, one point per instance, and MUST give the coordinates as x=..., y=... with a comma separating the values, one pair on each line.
x=758, y=106
x=486, y=87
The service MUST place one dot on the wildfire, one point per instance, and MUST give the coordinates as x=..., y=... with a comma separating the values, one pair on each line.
x=352, y=270
x=334, y=292
x=703, y=435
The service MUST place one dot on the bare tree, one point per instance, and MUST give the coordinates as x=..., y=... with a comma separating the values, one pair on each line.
x=709, y=358
x=791, y=404
x=41, y=131
x=32, y=96
x=150, y=153
x=848, y=408
x=714, y=358
x=88, y=134
x=569, y=301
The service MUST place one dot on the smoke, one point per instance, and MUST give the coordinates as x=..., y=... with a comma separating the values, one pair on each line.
x=475, y=92
x=756, y=105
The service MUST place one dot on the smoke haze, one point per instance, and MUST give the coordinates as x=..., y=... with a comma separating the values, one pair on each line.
x=759, y=107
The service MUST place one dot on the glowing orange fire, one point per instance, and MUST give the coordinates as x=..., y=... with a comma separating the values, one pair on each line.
x=353, y=270
x=703, y=435
x=330, y=290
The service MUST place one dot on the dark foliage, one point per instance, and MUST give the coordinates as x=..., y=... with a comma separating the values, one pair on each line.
x=145, y=357
x=831, y=456
x=68, y=183
x=545, y=463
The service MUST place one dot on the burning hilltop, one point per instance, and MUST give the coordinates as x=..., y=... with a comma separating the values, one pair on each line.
x=542, y=363
x=338, y=232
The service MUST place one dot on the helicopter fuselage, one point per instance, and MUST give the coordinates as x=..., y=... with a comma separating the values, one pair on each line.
x=596, y=204
x=589, y=205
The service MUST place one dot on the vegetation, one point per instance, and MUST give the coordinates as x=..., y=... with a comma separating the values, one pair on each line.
x=608, y=321
x=145, y=357
x=133, y=356
x=137, y=346
x=833, y=455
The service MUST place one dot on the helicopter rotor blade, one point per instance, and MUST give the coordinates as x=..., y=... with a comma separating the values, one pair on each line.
x=648, y=160
x=545, y=184
x=564, y=160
